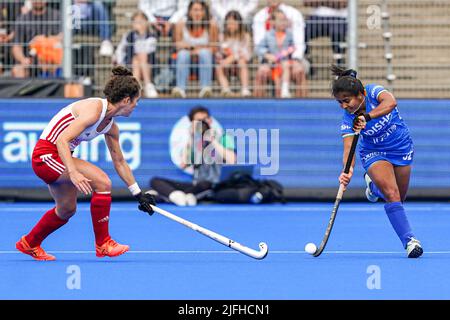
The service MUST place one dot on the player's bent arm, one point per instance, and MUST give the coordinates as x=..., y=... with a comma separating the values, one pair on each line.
x=348, y=139
x=84, y=120
x=345, y=178
x=387, y=104
x=120, y=164
x=124, y=170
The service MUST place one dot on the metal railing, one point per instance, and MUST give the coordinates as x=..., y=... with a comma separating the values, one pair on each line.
x=403, y=46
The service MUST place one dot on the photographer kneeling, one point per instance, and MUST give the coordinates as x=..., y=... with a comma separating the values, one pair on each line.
x=204, y=152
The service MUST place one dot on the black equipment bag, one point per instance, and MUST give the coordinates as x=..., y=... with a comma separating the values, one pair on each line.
x=242, y=188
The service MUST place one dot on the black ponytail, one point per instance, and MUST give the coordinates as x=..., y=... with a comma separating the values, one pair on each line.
x=346, y=81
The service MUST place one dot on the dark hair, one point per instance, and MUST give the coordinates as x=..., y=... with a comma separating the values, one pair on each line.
x=206, y=19
x=196, y=110
x=236, y=16
x=346, y=81
x=121, y=85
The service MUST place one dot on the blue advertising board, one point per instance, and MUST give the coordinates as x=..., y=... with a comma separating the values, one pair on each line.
x=303, y=148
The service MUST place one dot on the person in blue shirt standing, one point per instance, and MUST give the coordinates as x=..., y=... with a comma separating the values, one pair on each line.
x=386, y=149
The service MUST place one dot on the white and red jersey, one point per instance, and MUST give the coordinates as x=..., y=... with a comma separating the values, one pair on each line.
x=45, y=160
x=64, y=118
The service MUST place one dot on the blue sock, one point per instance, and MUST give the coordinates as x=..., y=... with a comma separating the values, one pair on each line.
x=374, y=189
x=399, y=221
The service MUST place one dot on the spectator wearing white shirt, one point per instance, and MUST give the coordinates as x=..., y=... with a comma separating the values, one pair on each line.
x=220, y=8
x=164, y=14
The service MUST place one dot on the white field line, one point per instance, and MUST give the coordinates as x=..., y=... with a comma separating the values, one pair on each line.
x=279, y=252
x=352, y=208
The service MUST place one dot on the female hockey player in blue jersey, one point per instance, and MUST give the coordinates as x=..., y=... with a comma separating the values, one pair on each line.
x=386, y=149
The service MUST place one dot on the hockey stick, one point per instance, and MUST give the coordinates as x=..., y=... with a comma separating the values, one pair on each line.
x=256, y=254
x=340, y=193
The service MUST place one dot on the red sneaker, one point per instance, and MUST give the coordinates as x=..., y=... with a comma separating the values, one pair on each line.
x=37, y=252
x=110, y=248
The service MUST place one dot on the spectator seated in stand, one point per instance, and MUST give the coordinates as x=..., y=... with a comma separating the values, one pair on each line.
x=275, y=52
x=137, y=50
x=201, y=154
x=9, y=11
x=92, y=18
x=37, y=47
x=328, y=19
x=262, y=23
x=234, y=53
x=164, y=15
x=196, y=41
x=220, y=9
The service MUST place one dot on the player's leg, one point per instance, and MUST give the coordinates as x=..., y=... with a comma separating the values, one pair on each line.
x=65, y=196
x=100, y=209
x=402, y=175
x=372, y=191
x=383, y=176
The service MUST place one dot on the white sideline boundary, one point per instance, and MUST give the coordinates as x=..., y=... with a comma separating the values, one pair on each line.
x=278, y=252
x=319, y=208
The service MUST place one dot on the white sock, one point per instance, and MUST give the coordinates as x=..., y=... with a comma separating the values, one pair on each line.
x=178, y=197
